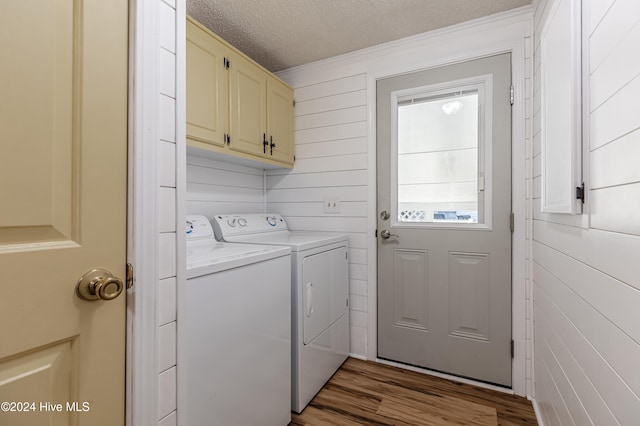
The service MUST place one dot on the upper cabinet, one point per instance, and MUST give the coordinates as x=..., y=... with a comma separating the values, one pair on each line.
x=248, y=106
x=207, y=87
x=280, y=120
x=235, y=106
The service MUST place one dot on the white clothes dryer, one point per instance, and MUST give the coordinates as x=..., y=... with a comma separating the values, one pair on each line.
x=234, y=332
x=320, y=295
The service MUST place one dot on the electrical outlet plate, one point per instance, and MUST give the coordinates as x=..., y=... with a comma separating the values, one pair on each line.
x=331, y=205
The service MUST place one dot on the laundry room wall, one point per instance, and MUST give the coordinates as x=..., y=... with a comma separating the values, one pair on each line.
x=335, y=157
x=331, y=161
x=585, y=268
x=219, y=187
x=167, y=224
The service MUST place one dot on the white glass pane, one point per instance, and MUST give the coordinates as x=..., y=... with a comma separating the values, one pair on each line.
x=438, y=159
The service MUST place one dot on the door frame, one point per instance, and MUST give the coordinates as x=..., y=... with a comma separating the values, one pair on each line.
x=144, y=165
x=446, y=47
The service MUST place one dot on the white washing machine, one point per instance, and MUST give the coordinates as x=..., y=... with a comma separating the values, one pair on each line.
x=234, y=332
x=320, y=295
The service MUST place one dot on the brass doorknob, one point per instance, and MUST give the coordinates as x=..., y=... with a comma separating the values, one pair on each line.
x=99, y=284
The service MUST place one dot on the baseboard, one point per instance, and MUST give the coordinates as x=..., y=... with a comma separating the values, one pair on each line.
x=536, y=410
x=360, y=357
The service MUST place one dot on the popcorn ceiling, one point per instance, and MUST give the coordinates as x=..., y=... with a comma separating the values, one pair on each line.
x=280, y=34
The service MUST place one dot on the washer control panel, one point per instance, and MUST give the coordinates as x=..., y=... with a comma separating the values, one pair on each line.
x=230, y=225
x=198, y=228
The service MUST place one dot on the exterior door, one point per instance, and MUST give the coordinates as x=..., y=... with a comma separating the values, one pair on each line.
x=63, y=150
x=444, y=204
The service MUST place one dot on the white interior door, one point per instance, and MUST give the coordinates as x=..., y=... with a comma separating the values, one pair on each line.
x=444, y=203
x=63, y=151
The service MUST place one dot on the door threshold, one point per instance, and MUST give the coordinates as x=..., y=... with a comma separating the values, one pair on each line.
x=451, y=377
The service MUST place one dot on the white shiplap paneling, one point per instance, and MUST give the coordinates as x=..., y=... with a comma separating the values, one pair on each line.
x=166, y=304
x=587, y=280
x=331, y=161
x=606, y=161
x=166, y=215
x=215, y=187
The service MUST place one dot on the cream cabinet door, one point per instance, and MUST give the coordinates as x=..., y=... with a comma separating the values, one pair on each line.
x=247, y=107
x=207, y=87
x=280, y=121
x=63, y=168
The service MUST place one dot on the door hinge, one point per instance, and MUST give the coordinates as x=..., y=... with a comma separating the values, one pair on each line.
x=294, y=103
x=130, y=276
x=513, y=349
x=347, y=303
x=511, y=94
x=512, y=221
x=346, y=255
x=580, y=193
x=375, y=234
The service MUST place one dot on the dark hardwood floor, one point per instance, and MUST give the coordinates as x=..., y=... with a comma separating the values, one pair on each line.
x=368, y=393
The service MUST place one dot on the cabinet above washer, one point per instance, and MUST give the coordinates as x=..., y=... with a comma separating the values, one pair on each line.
x=234, y=106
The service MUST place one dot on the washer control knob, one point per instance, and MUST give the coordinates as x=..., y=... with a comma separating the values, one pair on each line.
x=242, y=221
x=231, y=222
x=271, y=220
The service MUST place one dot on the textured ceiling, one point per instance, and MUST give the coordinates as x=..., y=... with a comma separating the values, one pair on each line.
x=280, y=34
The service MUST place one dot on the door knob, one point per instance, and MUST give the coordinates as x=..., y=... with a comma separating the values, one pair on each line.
x=384, y=215
x=99, y=284
x=386, y=234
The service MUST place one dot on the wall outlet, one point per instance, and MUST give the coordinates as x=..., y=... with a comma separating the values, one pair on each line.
x=331, y=205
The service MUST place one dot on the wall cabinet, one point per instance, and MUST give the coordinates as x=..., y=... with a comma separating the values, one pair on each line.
x=235, y=106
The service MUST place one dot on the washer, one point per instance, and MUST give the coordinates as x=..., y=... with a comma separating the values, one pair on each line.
x=234, y=335
x=320, y=295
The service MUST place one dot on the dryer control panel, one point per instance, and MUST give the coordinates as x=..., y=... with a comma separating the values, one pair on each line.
x=231, y=225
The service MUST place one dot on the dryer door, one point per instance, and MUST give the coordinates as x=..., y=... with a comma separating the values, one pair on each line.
x=316, y=279
x=325, y=289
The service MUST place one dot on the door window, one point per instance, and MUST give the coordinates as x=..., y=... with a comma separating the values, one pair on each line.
x=439, y=158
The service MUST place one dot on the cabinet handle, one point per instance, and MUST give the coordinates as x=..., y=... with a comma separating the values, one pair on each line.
x=271, y=145
x=264, y=143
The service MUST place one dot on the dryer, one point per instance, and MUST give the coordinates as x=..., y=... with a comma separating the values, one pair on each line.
x=234, y=332
x=319, y=292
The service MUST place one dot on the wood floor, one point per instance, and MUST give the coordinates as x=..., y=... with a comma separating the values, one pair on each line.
x=368, y=393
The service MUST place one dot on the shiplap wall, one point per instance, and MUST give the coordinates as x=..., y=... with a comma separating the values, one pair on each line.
x=167, y=221
x=528, y=195
x=331, y=161
x=219, y=187
x=587, y=279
